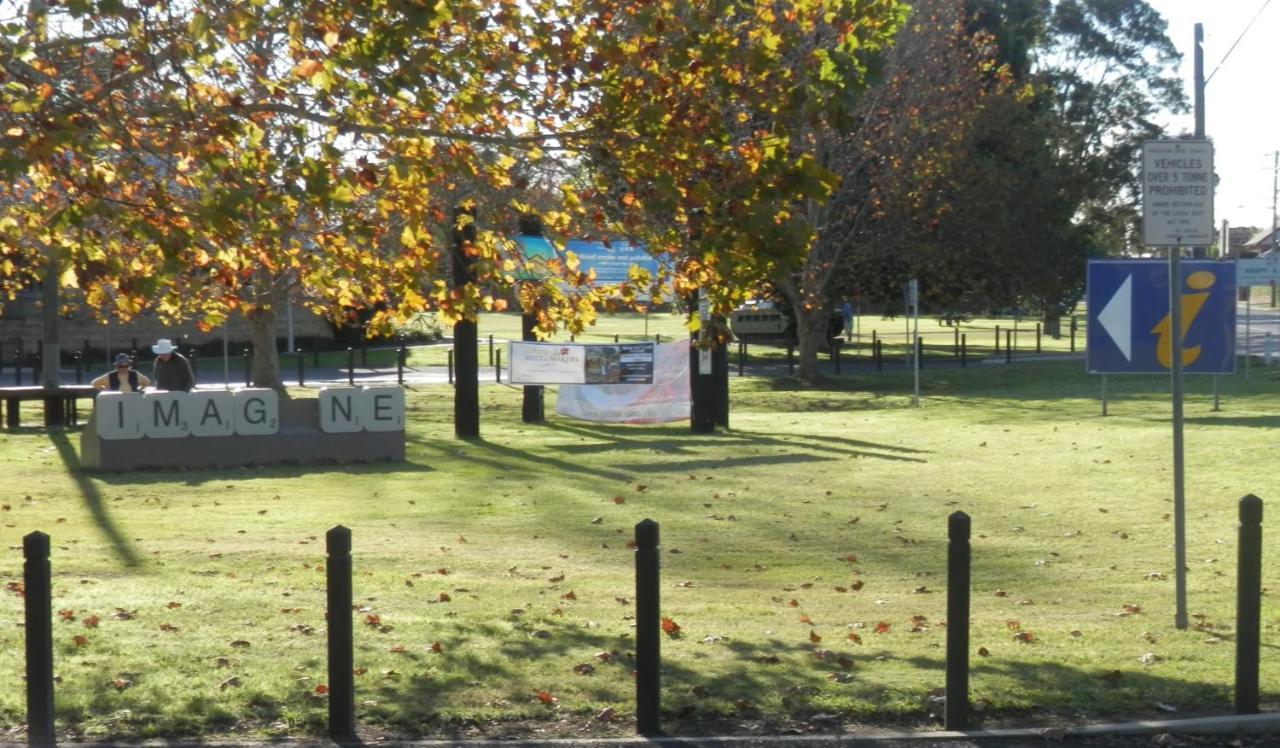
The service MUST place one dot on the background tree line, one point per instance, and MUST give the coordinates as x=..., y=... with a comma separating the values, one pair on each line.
x=217, y=158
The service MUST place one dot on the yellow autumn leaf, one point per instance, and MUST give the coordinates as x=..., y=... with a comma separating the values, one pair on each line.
x=307, y=68
x=68, y=278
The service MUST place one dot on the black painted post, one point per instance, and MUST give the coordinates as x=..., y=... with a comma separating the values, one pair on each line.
x=342, y=688
x=1073, y=334
x=648, y=631
x=491, y=350
x=1008, y=346
x=38, y=622
x=195, y=366
x=248, y=370
x=615, y=338
x=964, y=349
x=497, y=367
x=879, y=354
x=997, y=338
x=657, y=338
x=302, y=369
x=742, y=357
x=955, y=347
x=1038, y=337
x=919, y=352
x=1248, y=605
x=791, y=359
x=720, y=381
x=351, y=366
x=401, y=353
x=958, y=581
x=450, y=366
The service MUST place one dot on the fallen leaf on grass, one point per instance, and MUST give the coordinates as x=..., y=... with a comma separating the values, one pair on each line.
x=80, y=641
x=67, y=615
x=169, y=627
x=984, y=652
x=584, y=669
x=240, y=643
x=814, y=638
x=121, y=684
x=231, y=682
x=670, y=627
x=321, y=689
x=1025, y=637
x=883, y=627
x=546, y=698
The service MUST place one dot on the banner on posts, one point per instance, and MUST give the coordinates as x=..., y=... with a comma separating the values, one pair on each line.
x=666, y=398
x=578, y=363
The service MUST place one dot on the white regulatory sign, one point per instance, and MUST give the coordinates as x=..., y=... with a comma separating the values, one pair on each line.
x=1177, y=193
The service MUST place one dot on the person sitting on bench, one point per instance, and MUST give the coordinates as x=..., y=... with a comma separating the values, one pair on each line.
x=123, y=378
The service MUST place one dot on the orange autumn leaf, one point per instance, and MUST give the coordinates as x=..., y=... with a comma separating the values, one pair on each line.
x=813, y=637
x=670, y=627
x=546, y=697
x=90, y=622
x=80, y=641
x=321, y=689
x=883, y=627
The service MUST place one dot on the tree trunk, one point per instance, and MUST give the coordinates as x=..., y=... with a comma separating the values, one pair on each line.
x=811, y=336
x=51, y=352
x=266, y=361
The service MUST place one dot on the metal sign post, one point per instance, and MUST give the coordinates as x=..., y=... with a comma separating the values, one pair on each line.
x=1177, y=212
x=913, y=300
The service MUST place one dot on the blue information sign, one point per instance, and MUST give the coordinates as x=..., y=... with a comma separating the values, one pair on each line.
x=1129, y=329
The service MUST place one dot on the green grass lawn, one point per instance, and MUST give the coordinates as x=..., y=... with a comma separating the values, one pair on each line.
x=803, y=559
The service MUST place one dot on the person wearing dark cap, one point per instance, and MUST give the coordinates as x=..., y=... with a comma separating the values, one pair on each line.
x=122, y=378
x=172, y=370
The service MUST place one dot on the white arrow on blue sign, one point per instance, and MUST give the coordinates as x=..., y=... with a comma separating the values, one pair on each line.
x=1129, y=329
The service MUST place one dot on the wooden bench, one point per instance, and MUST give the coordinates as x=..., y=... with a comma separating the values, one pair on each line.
x=59, y=404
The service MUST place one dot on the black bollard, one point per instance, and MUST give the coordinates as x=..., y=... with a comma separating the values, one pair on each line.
x=879, y=355
x=1248, y=605
x=401, y=354
x=342, y=689
x=302, y=369
x=497, y=368
x=648, y=631
x=1038, y=337
x=450, y=366
x=351, y=366
x=38, y=623
x=964, y=349
x=742, y=357
x=956, y=345
x=615, y=338
x=491, y=350
x=958, y=558
x=1008, y=346
x=997, y=338
x=919, y=352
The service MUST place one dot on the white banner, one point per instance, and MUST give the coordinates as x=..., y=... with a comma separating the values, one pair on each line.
x=665, y=399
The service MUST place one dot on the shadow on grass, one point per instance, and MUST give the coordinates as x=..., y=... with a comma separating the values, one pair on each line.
x=200, y=476
x=93, y=498
x=716, y=685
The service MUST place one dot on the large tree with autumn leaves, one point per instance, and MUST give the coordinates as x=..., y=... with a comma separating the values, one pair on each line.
x=216, y=158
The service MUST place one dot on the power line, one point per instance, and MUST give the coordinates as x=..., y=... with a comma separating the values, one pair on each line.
x=1265, y=3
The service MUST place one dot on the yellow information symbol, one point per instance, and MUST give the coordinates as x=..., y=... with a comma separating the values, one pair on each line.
x=1192, y=303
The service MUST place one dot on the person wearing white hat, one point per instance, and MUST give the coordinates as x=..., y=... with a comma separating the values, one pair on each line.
x=172, y=370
